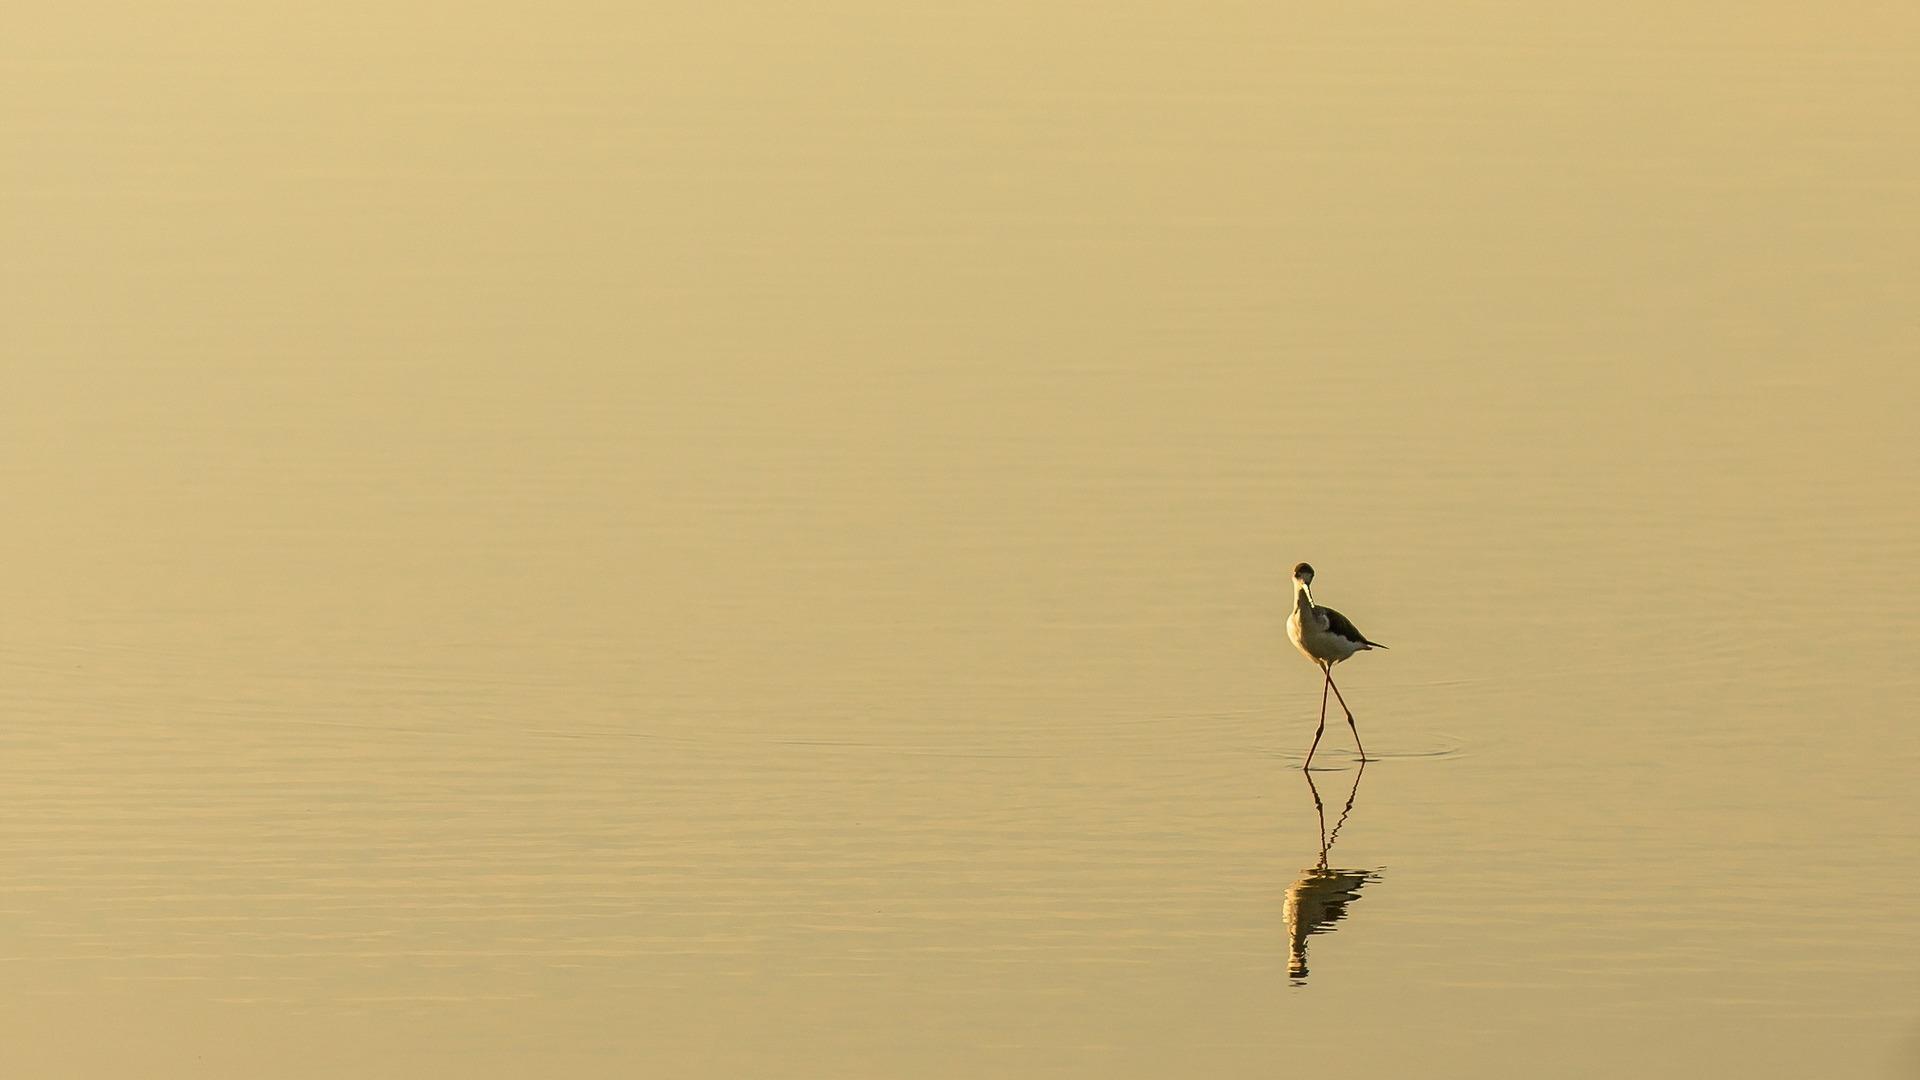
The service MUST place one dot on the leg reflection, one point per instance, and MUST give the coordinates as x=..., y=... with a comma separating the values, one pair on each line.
x=1319, y=899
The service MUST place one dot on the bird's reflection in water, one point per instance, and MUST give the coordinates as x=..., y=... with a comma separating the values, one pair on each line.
x=1320, y=898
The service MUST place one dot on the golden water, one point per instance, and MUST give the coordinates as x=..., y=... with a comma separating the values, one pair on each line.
x=701, y=541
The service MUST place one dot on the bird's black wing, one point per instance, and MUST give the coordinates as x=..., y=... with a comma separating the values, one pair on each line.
x=1340, y=626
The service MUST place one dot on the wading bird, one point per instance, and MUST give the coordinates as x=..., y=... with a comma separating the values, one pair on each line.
x=1326, y=637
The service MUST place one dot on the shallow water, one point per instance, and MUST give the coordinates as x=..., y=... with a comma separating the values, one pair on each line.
x=730, y=543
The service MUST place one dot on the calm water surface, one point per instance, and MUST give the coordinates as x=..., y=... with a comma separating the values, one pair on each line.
x=722, y=542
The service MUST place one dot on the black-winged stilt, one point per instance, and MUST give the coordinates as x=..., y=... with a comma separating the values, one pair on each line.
x=1326, y=637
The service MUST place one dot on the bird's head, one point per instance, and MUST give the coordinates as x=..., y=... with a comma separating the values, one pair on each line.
x=1304, y=575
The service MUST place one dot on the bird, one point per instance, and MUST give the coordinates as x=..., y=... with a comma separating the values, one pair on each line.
x=1325, y=637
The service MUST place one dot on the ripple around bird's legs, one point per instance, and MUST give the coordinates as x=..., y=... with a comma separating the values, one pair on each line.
x=1415, y=746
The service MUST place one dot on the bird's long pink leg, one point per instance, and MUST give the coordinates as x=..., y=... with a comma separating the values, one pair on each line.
x=1323, y=722
x=1343, y=708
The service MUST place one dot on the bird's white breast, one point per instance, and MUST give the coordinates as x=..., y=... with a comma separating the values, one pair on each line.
x=1310, y=636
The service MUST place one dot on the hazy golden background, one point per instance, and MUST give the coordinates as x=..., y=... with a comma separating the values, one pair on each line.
x=706, y=540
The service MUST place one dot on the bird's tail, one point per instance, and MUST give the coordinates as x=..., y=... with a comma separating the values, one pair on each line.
x=1373, y=645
